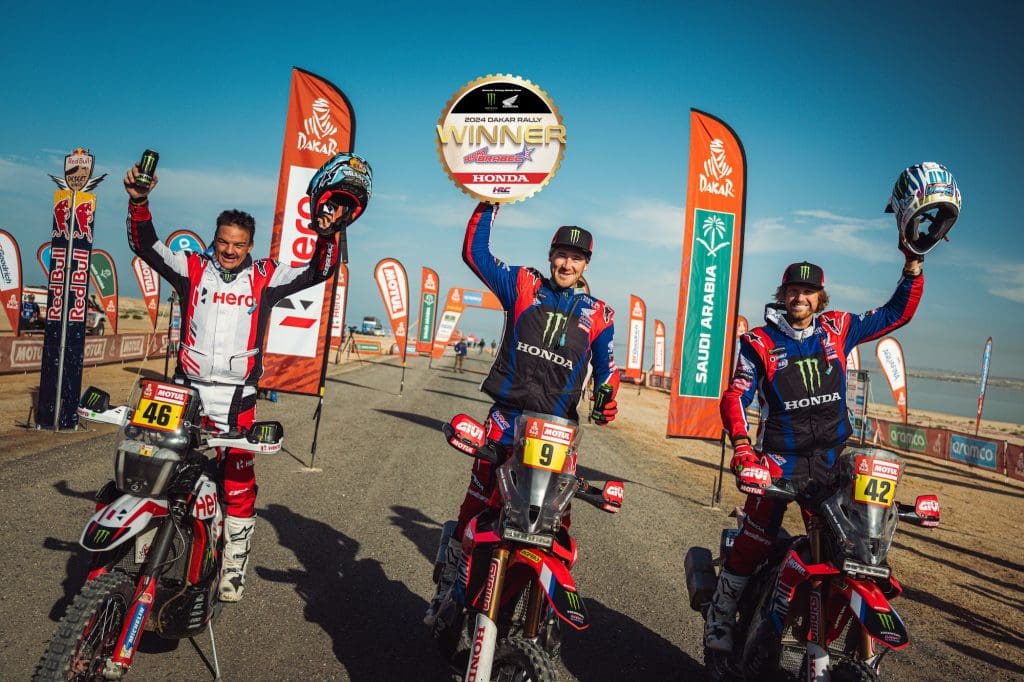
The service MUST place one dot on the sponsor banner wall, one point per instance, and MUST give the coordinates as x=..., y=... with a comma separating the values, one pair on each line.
x=890, y=357
x=659, y=348
x=320, y=124
x=709, y=278
x=149, y=285
x=430, y=287
x=103, y=276
x=393, y=285
x=10, y=278
x=1015, y=461
x=25, y=354
x=340, y=303
x=635, y=338
x=979, y=452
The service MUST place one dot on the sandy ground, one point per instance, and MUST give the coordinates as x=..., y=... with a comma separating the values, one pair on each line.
x=971, y=565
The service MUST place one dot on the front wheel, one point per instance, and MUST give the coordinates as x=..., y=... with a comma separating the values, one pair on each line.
x=853, y=671
x=519, y=660
x=88, y=632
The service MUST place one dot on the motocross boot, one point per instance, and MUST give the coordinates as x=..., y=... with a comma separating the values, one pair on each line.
x=236, y=557
x=721, y=616
x=450, y=572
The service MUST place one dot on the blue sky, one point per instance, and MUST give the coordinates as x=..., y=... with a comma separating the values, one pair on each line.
x=831, y=103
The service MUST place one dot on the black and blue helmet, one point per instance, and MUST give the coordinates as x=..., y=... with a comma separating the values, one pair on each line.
x=344, y=183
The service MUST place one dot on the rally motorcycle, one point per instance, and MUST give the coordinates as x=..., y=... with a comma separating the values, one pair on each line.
x=515, y=587
x=819, y=607
x=156, y=537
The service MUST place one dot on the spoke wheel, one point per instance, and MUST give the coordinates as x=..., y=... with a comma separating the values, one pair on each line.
x=519, y=660
x=88, y=632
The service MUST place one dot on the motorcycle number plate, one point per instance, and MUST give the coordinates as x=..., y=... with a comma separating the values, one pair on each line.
x=876, y=481
x=142, y=545
x=160, y=406
x=547, y=444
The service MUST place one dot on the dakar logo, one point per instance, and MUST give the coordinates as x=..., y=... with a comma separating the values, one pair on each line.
x=319, y=130
x=715, y=178
x=810, y=374
x=553, y=327
x=713, y=229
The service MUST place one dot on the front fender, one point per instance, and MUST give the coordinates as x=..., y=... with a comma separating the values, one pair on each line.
x=557, y=583
x=877, y=615
x=115, y=523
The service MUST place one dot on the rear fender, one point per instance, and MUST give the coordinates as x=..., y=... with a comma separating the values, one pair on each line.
x=876, y=614
x=115, y=523
x=556, y=581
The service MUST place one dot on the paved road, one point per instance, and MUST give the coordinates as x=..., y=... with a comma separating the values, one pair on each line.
x=341, y=568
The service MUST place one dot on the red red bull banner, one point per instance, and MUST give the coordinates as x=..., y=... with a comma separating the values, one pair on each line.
x=457, y=301
x=986, y=358
x=393, y=285
x=709, y=278
x=340, y=305
x=320, y=124
x=635, y=339
x=890, y=356
x=149, y=285
x=430, y=286
x=10, y=278
x=103, y=275
x=658, y=369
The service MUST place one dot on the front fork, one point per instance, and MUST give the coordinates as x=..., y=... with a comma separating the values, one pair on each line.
x=142, y=601
x=817, y=659
x=485, y=631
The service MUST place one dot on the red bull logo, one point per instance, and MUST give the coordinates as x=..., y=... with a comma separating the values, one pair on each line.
x=61, y=215
x=83, y=220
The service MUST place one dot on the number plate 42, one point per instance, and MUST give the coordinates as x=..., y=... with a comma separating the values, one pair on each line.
x=876, y=481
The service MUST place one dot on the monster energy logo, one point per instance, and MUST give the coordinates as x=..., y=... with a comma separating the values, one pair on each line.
x=887, y=621
x=810, y=374
x=91, y=399
x=574, y=235
x=264, y=433
x=492, y=98
x=574, y=600
x=555, y=324
x=101, y=536
x=805, y=272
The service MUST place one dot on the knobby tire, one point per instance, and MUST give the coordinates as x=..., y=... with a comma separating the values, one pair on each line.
x=88, y=632
x=520, y=660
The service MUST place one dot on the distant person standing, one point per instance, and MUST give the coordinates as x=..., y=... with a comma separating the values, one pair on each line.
x=460, y=355
x=480, y=347
x=494, y=348
x=30, y=318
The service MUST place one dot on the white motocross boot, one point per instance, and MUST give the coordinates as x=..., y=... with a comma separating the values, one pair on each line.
x=722, y=615
x=238, y=543
x=446, y=581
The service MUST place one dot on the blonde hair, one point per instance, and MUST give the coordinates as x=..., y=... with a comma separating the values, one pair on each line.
x=780, y=296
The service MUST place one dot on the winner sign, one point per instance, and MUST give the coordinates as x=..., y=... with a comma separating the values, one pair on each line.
x=500, y=139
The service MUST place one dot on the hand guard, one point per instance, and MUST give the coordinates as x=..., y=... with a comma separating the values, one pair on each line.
x=752, y=477
x=607, y=413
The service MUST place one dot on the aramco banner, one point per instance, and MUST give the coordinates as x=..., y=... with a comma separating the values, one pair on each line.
x=709, y=279
x=340, y=304
x=103, y=275
x=74, y=211
x=659, y=348
x=320, y=124
x=890, y=357
x=430, y=286
x=986, y=358
x=635, y=339
x=457, y=301
x=853, y=359
x=10, y=278
x=394, y=290
x=149, y=285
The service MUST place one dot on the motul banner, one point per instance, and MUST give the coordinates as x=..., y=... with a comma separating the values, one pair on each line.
x=890, y=357
x=320, y=124
x=457, y=301
x=853, y=359
x=430, y=286
x=10, y=278
x=394, y=290
x=340, y=303
x=709, y=279
x=986, y=358
x=149, y=285
x=43, y=256
x=635, y=339
x=659, y=348
x=103, y=275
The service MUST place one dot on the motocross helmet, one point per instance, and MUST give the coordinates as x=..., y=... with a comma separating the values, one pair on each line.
x=341, y=189
x=926, y=201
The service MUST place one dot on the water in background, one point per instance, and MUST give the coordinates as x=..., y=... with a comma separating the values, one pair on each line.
x=953, y=397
